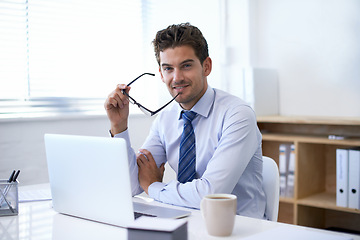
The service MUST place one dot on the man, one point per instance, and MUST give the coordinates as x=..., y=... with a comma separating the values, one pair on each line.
x=226, y=154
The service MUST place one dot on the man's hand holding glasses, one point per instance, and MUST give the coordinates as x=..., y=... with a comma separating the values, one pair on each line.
x=117, y=109
x=117, y=106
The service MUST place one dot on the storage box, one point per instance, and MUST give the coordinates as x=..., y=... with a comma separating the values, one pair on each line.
x=9, y=198
x=152, y=228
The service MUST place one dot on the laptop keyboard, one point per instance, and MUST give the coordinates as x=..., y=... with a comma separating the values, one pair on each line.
x=138, y=214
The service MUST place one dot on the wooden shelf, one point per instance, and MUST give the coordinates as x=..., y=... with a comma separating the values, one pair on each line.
x=309, y=139
x=287, y=200
x=310, y=120
x=324, y=200
x=314, y=202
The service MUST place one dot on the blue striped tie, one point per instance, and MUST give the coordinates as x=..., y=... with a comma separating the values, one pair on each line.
x=187, y=160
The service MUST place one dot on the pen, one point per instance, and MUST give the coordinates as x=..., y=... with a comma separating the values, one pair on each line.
x=11, y=176
x=16, y=175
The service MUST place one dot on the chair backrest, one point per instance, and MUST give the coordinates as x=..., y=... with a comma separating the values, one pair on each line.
x=271, y=188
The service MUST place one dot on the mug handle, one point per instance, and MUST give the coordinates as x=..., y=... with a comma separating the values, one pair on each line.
x=235, y=206
x=202, y=207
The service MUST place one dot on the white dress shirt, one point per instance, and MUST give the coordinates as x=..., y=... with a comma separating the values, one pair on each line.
x=228, y=153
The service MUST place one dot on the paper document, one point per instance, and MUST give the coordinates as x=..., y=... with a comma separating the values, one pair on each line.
x=157, y=224
x=34, y=195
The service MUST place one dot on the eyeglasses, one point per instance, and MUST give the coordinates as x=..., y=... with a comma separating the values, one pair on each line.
x=142, y=108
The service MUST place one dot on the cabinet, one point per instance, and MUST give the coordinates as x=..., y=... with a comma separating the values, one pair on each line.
x=314, y=201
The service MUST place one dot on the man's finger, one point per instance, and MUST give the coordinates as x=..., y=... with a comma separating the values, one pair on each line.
x=140, y=153
x=162, y=168
x=147, y=154
x=142, y=160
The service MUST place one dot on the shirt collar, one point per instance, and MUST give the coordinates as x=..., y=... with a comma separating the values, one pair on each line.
x=204, y=105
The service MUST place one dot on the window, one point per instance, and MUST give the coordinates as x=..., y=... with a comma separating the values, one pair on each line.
x=68, y=55
x=13, y=49
x=65, y=55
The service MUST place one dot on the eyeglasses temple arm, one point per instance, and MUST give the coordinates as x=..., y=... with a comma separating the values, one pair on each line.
x=153, y=113
x=152, y=74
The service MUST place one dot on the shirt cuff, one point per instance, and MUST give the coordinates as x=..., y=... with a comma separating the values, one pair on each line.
x=155, y=189
x=124, y=134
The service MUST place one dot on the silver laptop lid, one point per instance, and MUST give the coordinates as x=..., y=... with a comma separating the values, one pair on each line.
x=89, y=178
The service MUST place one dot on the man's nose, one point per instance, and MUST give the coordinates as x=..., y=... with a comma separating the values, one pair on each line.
x=178, y=75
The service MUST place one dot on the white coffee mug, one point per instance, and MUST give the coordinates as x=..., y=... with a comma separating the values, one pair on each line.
x=218, y=211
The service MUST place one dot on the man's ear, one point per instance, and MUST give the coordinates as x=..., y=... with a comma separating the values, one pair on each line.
x=161, y=75
x=207, y=66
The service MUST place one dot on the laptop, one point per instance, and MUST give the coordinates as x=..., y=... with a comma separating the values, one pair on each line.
x=89, y=178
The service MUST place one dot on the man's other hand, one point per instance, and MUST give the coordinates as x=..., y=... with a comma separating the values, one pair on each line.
x=148, y=171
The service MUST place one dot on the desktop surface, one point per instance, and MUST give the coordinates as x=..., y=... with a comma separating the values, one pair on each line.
x=37, y=220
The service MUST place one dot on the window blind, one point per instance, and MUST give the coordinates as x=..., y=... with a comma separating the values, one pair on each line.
x=65, y=56
x=13, y=49
x=80, y=48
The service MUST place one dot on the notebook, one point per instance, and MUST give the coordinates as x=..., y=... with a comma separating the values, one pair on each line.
x=89, y=178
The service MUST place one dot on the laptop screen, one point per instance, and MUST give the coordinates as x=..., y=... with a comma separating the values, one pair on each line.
x=89, y=177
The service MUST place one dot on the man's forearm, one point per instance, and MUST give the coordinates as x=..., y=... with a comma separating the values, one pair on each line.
x=118, y=128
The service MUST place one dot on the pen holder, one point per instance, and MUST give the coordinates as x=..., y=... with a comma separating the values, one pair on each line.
x=9, y=198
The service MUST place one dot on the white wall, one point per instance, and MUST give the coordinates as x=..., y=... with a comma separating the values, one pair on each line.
x=313, y=45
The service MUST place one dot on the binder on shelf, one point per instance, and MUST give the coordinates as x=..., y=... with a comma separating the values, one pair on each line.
x=283, y=169
x=354, y=179
x=291, y=173
x=342, y=170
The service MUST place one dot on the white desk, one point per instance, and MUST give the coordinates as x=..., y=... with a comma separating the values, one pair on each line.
x=37, y=220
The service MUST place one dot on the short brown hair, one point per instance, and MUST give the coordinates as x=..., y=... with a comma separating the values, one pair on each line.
x=180, y=35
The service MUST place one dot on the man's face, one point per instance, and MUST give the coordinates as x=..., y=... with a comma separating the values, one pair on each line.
x=183, y=73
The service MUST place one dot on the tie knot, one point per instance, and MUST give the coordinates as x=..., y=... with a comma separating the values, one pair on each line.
x=188, y=116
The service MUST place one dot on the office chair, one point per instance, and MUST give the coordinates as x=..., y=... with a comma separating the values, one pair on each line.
x=271, y=188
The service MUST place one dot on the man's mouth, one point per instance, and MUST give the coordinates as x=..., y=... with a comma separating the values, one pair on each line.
x=179, y=88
